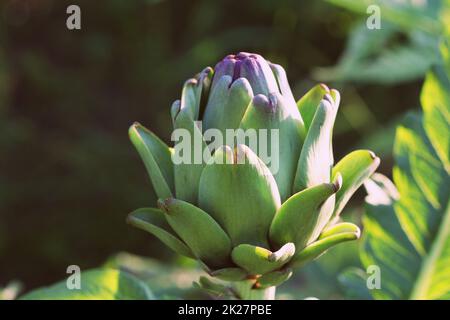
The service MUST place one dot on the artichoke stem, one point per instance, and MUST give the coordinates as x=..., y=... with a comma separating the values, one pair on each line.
x=245, y=290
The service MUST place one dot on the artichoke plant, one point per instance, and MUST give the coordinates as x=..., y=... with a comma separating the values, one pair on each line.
x=250, y=225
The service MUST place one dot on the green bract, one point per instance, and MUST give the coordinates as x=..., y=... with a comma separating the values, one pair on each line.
x=246, y=219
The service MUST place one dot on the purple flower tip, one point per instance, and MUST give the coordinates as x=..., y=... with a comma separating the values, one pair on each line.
x=251, y=66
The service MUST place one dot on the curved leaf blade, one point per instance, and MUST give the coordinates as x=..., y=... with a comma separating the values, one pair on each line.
x=96, y=284
x=435, y=99
x=409, y=238
x=316, y=157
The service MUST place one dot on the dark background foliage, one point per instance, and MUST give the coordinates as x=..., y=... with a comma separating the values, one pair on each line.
x=68, y=173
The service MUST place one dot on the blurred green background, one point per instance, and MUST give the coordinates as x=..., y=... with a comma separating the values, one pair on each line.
x=69, y=175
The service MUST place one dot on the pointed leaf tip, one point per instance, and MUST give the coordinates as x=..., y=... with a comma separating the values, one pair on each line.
x=355, y=168
x=331, y=237
x=284, y=253
x=337, y=183
x=257, y=260
x=344, y=227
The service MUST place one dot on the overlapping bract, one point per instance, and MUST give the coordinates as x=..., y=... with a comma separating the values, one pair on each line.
x=240, y=219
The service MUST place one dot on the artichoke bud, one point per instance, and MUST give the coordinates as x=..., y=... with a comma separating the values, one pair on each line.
x=254, y=192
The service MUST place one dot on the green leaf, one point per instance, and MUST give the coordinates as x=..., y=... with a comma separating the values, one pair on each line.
x=157, y=159
x=240, y=193
x=355, y=168
x=257, y=260
x=435, y=100
x=300, y=219
x=403, y=49
x=343, y=227
x=337, y=234
x=316, y=158
x=409, y=238
x=185, y=113
x=153, y=221
x=96, y=284
x=283, y=84
x=386, y=245
x=377, y=56
x=422, y=182
x=191, y=94
x=308, y=104
x=275, y=113
x=227, y=104
x=199, y=231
